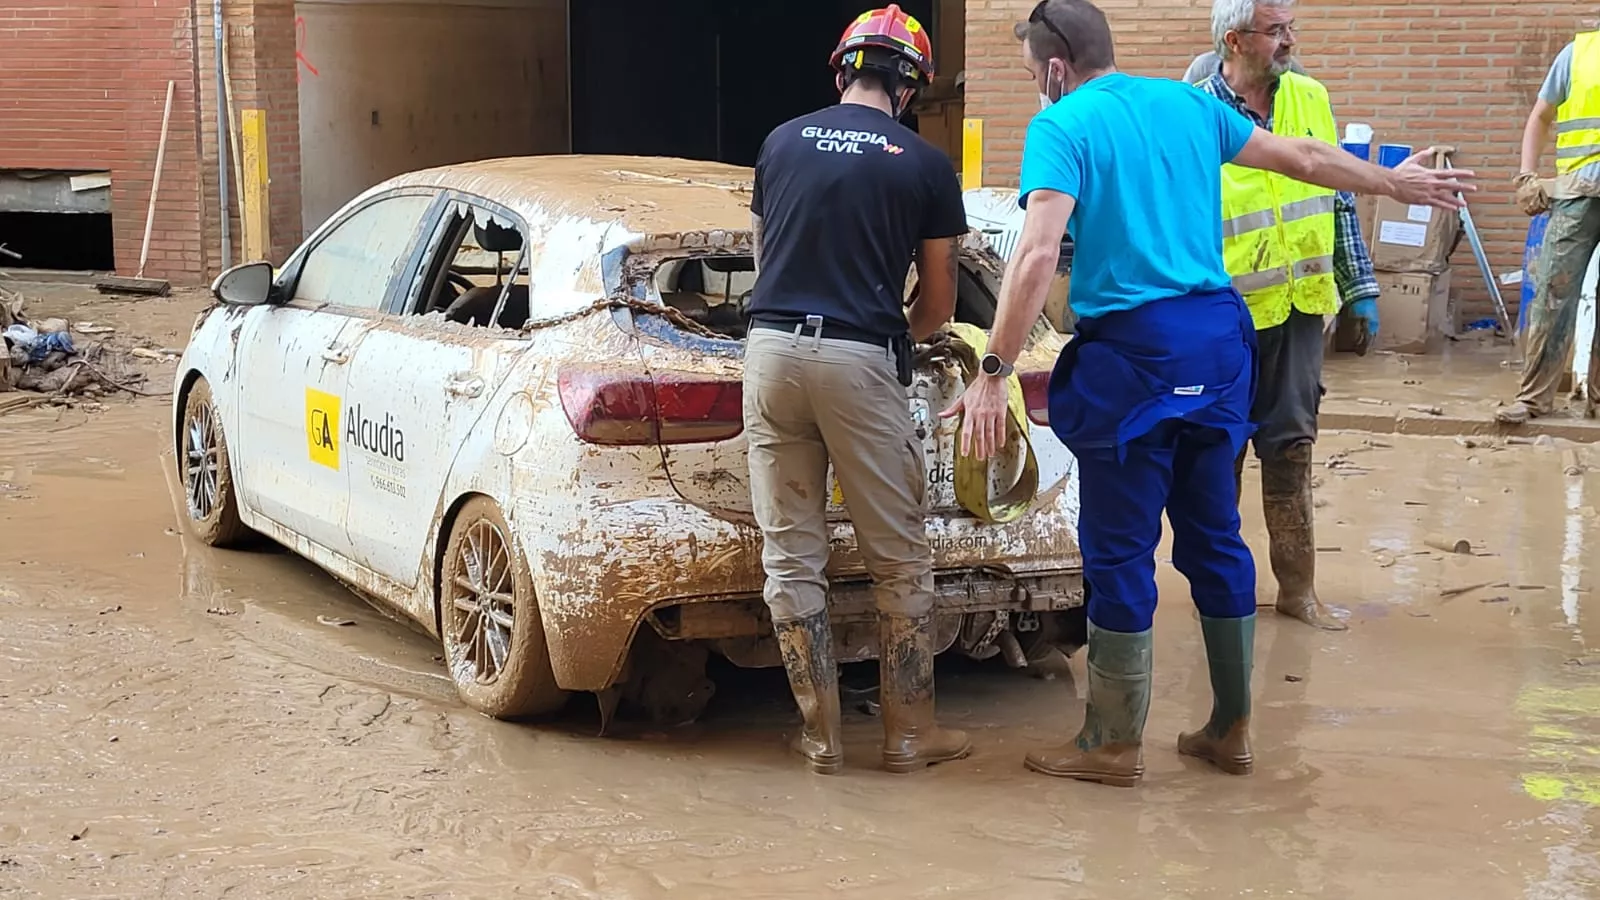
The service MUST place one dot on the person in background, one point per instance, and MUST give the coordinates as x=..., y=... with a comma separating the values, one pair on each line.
x=843, y=200
x=1209, y=63
x=1569, y=102
x=1295, y=251
x=1153, y=394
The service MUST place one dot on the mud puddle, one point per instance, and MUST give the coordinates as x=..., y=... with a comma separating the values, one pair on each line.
x=1448, y=745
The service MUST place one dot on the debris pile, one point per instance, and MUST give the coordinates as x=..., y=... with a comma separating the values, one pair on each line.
x=58, y=360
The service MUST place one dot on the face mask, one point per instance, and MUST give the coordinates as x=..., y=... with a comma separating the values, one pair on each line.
x=1044, y=96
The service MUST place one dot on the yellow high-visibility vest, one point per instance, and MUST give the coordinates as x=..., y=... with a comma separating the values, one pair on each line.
x=1277, y=233
x=1578, y=119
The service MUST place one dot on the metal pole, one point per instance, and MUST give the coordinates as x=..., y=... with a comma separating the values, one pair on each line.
x=222, y=133
x=1476, y=242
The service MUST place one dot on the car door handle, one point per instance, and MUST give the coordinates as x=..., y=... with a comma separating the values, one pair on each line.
x=336, y=354
x=468, y=387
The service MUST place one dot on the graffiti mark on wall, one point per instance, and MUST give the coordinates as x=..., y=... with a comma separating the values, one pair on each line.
x=300, y=49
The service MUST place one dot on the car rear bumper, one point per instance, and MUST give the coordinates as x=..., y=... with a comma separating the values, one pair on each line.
x=740, y=629
x=609, y=566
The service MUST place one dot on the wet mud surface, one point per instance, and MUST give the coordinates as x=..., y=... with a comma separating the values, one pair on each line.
x=181, y=722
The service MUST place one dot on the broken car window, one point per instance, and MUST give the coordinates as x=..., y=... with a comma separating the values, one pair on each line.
x=714, y=291
x=480, y=271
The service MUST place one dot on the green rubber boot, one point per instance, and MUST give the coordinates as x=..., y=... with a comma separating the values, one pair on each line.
x=1109, y=746
x=1224, y=741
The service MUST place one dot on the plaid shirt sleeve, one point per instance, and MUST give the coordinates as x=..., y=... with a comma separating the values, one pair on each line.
x=1352, y=266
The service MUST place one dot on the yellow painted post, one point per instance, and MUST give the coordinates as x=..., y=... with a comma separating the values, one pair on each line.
x=971, y=154
x=253, y=216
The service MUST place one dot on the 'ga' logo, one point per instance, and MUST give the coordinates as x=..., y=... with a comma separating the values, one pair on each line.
x=322, y=428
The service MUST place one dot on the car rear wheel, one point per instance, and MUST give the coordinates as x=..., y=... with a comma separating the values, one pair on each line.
x=209, y=497
x=493, y=635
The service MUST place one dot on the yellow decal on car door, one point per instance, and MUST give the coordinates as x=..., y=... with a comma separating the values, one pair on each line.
x=322, y=428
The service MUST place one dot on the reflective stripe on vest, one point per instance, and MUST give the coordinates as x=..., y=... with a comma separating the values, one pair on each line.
x=1578, y=118
x=1277, y=233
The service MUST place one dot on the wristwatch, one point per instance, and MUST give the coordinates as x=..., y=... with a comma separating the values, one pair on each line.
x=994, y=365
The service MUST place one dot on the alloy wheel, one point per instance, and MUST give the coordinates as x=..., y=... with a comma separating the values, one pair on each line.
x=482, y=601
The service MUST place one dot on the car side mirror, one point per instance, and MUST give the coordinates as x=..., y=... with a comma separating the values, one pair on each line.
x=247, y=284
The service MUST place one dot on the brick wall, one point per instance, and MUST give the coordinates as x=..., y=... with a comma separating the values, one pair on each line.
x=261, y=63
x=1463, y=74
x=82, y=84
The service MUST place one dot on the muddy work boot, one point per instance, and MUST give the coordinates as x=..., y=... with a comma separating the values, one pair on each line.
x=807, y=649
x=911, y=739
x=1286, y=500
x=1517, y=413
x=1224, y=741
x=1109, y=746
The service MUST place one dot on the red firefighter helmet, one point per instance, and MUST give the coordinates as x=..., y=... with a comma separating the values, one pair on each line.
x=888, y=28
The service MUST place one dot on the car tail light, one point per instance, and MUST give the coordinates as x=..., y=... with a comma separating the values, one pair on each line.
x=1036, y=396
x=620, y=409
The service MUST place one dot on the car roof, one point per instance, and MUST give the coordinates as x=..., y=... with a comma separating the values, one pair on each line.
x=647, y=196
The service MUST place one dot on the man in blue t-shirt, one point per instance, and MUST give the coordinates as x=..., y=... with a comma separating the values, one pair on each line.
x=844, y=199
x=1153, y=394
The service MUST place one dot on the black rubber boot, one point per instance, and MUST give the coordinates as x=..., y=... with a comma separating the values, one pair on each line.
x=807, y=649
x=1109, y=746
x=1286, y=501
x=911, y=738
x=1224, y=741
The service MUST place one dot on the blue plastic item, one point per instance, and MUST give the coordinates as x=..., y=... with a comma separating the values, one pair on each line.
x=1359, y=151
x=1530, y=261
x=1391, y=155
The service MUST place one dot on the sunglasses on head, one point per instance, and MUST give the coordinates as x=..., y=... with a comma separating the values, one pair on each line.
x=1037, y=17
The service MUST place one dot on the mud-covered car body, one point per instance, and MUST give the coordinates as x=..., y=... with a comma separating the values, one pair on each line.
x=604, y=420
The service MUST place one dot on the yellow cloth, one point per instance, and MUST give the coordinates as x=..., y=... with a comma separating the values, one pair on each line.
x=972, y=474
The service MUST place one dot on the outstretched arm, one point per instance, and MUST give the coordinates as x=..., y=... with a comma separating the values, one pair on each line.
x=1312, y=161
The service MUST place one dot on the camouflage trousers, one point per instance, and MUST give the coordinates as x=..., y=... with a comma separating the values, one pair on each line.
x=1569, y=242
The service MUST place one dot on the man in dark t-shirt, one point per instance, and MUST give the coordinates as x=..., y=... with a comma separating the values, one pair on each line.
x=844, y=199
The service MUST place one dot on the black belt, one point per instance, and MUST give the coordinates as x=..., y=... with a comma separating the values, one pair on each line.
x=835, y=331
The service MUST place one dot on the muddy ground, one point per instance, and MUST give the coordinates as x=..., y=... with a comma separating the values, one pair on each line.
x=179, y=722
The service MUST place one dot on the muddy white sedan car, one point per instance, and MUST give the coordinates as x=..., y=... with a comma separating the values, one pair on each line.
x=503, y=400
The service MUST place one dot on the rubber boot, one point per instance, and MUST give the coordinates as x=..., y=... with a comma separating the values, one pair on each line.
x=911, y=739
x=807, y=649
x=1286, y=500
x=1224, y=741
x=1109, y=746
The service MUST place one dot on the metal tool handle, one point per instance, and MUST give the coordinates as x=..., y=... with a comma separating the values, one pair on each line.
x=1489, y=281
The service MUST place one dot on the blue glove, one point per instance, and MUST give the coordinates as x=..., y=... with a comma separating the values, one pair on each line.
x=1367, y=310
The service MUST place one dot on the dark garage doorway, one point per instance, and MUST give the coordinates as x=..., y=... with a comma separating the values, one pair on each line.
x=703, y=79
x=70, y=241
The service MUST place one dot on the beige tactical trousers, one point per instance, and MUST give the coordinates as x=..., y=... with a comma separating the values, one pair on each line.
x=808, y=401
